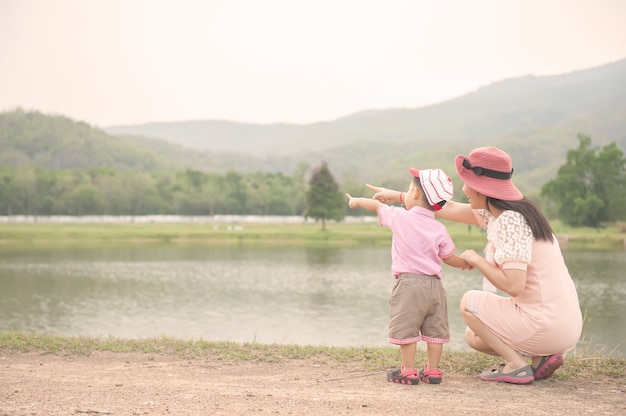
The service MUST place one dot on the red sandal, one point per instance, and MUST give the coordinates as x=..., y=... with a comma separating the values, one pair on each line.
x=433, y=376
x=410, y=377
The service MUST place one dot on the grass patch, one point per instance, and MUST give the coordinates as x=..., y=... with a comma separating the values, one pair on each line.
x=192, y=233
x=304, y=234
x=577, y=366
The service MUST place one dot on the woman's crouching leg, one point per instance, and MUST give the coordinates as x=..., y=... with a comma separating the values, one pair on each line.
x=467, y=307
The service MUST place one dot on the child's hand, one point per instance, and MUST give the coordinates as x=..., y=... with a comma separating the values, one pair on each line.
x=383, y=195
x=467, y=266
x=352, y=201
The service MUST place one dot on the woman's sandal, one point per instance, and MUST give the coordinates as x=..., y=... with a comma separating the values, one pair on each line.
x=433, y=376
x=410, y=377
x=523, y=375
x=548, y=365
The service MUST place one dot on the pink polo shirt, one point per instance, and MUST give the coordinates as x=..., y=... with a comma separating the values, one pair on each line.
x=419, y=241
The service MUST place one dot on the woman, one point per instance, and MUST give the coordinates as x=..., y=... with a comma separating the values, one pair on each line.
x=541, y=318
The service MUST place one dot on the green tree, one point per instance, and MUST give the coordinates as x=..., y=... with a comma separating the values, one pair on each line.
x=7, y=189
x=612, y=183
x=324, y=202
x=191, y=199
x=25, y=187
x=299, y=181
x=270, y=194
x=590, y=187
x=86, y=199
x=236, y=197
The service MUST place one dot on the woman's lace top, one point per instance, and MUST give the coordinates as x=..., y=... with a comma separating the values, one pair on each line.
x=510, y=235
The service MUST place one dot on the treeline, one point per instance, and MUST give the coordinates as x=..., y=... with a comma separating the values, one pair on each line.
x=35, y=191
x=590, y=189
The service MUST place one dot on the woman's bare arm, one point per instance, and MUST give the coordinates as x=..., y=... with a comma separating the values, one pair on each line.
x=453, y=211
x=458, y=212
x=384, y=195
x=511, y=281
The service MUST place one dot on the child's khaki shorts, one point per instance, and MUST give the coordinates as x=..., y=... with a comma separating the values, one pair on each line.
x=418, y=310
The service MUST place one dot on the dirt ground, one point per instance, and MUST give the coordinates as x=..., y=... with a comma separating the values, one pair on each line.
x=144, y=384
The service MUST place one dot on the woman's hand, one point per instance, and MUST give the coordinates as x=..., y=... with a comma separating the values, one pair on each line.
x=511, y=281
x=471, y=257
x=384, y=195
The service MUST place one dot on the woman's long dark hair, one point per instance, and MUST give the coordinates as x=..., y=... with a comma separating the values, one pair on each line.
x=538, y=223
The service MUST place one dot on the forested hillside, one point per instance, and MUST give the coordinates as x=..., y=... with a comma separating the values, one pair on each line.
x=32, y=139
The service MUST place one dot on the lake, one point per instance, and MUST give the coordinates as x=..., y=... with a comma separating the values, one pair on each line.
x=317, y=296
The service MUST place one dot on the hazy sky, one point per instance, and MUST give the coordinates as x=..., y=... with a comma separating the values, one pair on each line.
x=110, y=62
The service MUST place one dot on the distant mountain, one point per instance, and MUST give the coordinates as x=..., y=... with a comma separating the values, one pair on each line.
x=506, y=110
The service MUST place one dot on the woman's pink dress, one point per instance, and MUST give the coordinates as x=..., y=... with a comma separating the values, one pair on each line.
x=545, y=318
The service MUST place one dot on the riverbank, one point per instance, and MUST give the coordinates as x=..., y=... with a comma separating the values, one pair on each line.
x=43, y=374
x=343, y=234
x=581, y=364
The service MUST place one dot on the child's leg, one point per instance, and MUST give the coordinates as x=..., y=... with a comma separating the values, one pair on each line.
x=430, y=373
x=407, y=373
x=434, y=355
x=407, y=354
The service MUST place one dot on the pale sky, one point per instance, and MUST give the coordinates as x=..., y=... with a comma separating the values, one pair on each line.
x=109, y=62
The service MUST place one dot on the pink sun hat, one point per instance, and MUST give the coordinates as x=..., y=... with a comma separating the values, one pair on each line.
x=436, y=185
x=488, y=170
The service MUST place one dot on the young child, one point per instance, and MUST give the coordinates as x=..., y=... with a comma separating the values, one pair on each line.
x=418, y=308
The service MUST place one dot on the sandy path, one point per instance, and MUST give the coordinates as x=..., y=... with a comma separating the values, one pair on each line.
x=143, y=384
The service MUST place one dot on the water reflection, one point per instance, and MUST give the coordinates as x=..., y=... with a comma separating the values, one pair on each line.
x=287, y=295
x=601, y=282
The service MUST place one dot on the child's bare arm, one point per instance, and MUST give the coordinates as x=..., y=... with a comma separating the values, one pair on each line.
x=366, y=203
x=457, y=261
